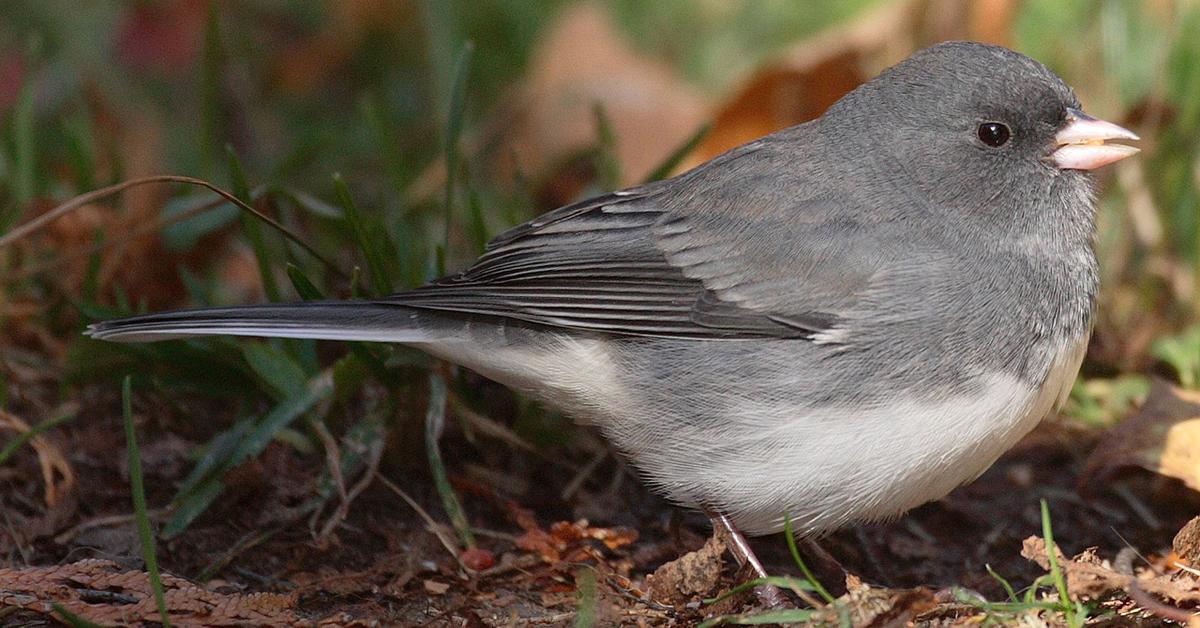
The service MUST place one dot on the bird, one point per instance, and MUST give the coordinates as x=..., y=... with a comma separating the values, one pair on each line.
x=831, y=324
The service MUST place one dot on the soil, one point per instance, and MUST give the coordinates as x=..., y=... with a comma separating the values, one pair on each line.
x=541, y=557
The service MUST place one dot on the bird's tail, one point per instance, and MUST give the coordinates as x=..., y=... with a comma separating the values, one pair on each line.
x=326, y=320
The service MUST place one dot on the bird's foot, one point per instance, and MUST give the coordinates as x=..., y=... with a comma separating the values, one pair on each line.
x=768, y=595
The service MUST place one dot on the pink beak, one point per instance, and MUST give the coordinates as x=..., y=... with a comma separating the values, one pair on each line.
x=1081, y=143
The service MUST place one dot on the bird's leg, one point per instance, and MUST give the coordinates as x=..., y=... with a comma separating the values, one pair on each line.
x=768, y=594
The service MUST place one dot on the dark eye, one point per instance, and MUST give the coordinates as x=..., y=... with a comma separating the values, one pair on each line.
x=994, y=134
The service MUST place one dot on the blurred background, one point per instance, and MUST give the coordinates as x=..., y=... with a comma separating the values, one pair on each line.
x=396, y=137
x=555, y=100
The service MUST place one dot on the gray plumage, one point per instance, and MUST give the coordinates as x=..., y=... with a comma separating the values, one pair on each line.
x=841, y=320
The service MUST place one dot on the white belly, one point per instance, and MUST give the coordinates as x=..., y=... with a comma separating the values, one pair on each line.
x=894, y=458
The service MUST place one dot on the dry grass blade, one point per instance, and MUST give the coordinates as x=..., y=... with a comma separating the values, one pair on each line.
x=57, y=473
x=83, y=199
x=436, y=528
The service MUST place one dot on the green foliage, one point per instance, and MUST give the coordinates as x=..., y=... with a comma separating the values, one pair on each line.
x=1102, y=402
x=1182, y=352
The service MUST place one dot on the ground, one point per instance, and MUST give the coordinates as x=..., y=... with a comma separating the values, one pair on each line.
x=537, y=550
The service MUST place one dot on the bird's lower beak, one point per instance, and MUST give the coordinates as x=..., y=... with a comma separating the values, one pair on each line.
x=1081, y=143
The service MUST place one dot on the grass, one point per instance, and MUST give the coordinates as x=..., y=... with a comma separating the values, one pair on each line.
x=137, y=488
x=1059, y=602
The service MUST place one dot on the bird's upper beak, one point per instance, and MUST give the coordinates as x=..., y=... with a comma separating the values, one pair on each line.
x=1081, y=143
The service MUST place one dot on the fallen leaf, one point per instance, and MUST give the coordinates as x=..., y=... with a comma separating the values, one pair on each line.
x=1089, y=577
x=803, y=81
x=127, y=597
x=693, y=574
x=564, y=540
x=58, y=476
x=1187, y=543
x=1163, y=437
x=434, y=587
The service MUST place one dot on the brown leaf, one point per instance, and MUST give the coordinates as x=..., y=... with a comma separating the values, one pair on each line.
x=804, y=81
x=58, y=476
x=1163, y=437
x=434, y=587
x=1187, y=543
x=1090, y=577
x=693, y=574
x=565, y=540
x=99, y=591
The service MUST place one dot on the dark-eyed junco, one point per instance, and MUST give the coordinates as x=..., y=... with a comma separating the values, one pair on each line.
x=839, y=321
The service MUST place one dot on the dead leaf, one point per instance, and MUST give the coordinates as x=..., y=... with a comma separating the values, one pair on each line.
x=1187, y=543
x=434, y=587
x=804, y=81
x=694, y=574
x=564, y=540
x=58, y=476
x=876, y=606
x=1163, y=437
x=100, y=591
x=1089, y=577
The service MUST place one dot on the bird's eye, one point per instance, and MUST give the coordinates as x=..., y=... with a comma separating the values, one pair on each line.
x=994, y=134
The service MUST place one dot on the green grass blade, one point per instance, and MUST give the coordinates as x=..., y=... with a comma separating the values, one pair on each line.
x=1060, y=583
x=303, y=285
x=791, y=541
x=139, y=501
x=278, y=370
x=381, y=277
x=786, y=582
x=676, y=157
x=608, y=168
x=210, y=89
x=435, y=418
x=245, y=441
x=251, y=226
x=1008, y=588
x=454, y=125
x=787, y=616
x=25, y=157
x=79, y=135
x=585, y=583
x=192, y=505
x=477, y=227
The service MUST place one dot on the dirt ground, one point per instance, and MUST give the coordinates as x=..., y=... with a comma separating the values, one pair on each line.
x=263, y=562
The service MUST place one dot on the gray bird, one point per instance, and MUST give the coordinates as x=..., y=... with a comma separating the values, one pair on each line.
x=839, y=321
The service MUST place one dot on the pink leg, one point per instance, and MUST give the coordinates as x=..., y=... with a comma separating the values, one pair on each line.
x=769, y=595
